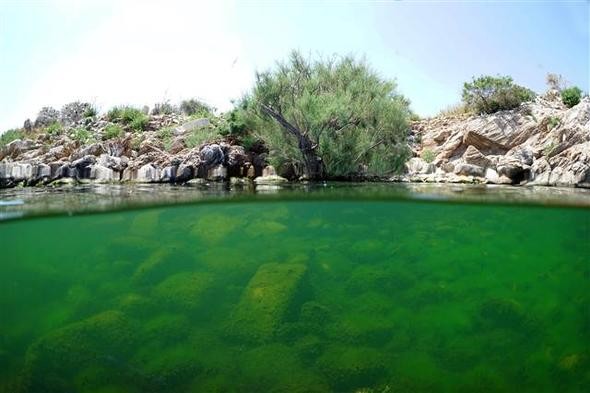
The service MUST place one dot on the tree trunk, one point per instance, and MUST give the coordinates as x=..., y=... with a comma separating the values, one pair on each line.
x=313, y=164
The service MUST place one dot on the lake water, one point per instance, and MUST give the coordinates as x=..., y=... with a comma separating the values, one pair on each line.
x=372, y=290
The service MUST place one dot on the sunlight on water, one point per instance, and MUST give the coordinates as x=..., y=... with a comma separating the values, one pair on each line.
x=348, y=296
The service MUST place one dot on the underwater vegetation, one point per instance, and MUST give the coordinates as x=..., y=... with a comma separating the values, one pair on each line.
x=339, y=296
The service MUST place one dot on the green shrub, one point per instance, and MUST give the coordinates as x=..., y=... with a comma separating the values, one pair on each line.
x=168, y=142
x=331, y=117
x=91, y=111
x=127, y=115
x=115, y=114
x=234, y=124
x=136, y=141
x=202, y=135
x=9, y=136
x=455, y=110
x=571, y=96
x=164, y=108
x=549, y=148
x=166, y=132
x=112, y=131
x=54, y=128
x=428, y=155
x=194, y=107
x=552, y=123
x=139, y=123
x=488, y=94
x=248, y=142
x=81, y=135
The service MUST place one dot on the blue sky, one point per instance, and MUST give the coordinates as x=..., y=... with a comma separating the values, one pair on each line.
x=114, y=52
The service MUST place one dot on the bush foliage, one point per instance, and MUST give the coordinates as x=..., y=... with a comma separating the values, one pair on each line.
x=571, y=96
x=164, y=108
x=489, y=94
x=428, y=155
x=10, y=135
x=54, y=128
x=112, y=131
x=194, y=107
x=329, y=117
x=81, y=135
x=133, y=117
x=202, y=135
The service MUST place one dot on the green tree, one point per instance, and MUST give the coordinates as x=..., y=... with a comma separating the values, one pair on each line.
x=329, y=117
x=489, y=94
x=571, y=96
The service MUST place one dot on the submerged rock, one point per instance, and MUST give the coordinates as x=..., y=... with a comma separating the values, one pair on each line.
x=265, y=301
x=350, y=367
x=183, y=290
x=53, y=361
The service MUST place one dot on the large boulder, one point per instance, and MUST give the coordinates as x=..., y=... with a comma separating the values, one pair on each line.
x=483, y=143
x=94, y=149
x=115, y=163
x=211, y=155
x=168, y=174
x=417, y=165
x=217, y=173
x=475, y=157
x=150, y=145
x=184, y=173
x=102, y=174
x=192, y=125
x=54, y=362
x=266, y=301
x=235, y=158
x=469, y=170
x=512, y=168
x=147, y=174
x=17, y=147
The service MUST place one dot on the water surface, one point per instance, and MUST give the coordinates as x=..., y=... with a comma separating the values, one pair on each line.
x=343, y=294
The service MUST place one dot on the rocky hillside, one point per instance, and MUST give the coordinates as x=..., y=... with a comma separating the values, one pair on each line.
x=539, y=143
x=169, y=148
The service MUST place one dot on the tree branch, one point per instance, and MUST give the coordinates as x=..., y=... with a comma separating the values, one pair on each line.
x=281, y=120
x=368, y=149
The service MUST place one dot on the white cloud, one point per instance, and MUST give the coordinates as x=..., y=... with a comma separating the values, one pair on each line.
x=143, y=53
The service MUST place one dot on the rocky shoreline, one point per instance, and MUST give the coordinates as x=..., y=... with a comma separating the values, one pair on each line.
x=45, y=159
x=541, y=143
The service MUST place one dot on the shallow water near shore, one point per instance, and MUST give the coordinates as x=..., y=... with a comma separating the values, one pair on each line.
x=342, y=294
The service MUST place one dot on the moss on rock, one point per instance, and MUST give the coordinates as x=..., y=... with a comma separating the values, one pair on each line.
x=349, y=367
x=277, y=368
x=52, y=361
x=161, y=263
x=266, y=300
x=506, y=314
x=184, y=291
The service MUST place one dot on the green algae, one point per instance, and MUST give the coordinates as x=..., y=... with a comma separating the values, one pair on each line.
x=344, y=296
x=266, y=300
x=183, y=290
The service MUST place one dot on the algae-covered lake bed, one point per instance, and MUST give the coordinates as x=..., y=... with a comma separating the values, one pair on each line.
x=376, y=288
